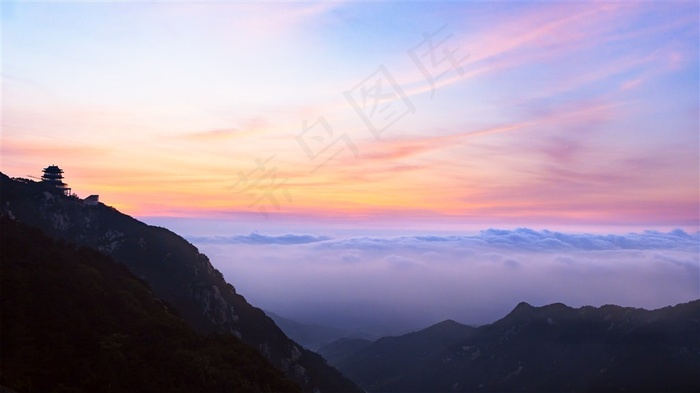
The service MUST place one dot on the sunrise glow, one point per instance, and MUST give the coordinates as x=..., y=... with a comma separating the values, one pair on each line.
x=546, y=114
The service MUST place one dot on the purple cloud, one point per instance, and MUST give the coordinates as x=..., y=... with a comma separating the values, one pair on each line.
x=258, y=239
x=395, y=284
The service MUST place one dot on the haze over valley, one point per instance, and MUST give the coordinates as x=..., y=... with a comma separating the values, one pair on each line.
x=390, y=285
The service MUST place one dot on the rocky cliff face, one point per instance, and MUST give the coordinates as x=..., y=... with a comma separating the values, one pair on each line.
x=176, y=271
x=74, y=320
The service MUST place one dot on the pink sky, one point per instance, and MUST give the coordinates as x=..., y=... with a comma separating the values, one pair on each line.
x=561, y=115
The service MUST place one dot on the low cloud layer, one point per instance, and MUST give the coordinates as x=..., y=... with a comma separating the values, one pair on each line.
x=390, y=284
x=528, y=239
x=256, y=238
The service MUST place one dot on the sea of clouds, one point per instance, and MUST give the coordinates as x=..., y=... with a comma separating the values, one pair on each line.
x=390, y=285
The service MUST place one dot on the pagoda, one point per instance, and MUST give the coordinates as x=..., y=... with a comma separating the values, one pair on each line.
x=53, y=176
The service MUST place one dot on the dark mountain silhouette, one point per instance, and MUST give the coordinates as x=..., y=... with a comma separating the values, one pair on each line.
x=399, y=363
x=309, y=336
x=553, y=348
x=337, y=351
x=174, y=269
x=314, y=336
x=75, y=320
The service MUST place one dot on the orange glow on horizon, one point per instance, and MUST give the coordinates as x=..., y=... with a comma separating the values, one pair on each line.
x=567, y=112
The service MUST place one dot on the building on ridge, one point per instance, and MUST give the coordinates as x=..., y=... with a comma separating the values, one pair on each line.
x=92, y=200
x=53, y=176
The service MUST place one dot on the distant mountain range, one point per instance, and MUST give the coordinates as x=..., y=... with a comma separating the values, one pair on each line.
x=553, y=348
x=314, y=336
x=175, y=271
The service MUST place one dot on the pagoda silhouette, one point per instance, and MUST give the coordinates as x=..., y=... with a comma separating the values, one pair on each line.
x=53, y=177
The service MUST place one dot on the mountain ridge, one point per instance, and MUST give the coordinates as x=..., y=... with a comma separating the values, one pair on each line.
x=549, y=348
x=75, y=320
x=175, y=270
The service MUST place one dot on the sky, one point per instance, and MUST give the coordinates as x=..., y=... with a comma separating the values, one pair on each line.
x=379, y=120
x=554, y=114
